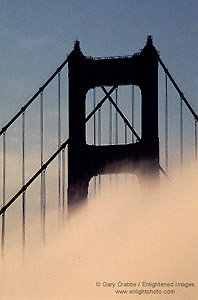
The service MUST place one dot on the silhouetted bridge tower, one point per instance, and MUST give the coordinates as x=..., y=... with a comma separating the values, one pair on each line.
x=86, y=161
x=141, y=157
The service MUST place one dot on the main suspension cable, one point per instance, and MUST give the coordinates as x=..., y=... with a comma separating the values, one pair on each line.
x=178, y=89
x=29, y=182
x=34, y=96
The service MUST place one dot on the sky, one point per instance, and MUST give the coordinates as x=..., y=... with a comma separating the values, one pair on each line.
x=36, y=36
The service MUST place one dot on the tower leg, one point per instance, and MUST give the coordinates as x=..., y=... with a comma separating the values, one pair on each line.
x=78, y=192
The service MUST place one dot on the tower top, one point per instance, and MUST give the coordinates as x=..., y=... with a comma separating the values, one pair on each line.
x=149, y=49
x=149, y=40
x=76, y=45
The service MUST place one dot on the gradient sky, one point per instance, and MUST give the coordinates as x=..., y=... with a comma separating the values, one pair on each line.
x=36, y=36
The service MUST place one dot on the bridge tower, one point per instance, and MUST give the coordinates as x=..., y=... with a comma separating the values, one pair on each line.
x=140, y=158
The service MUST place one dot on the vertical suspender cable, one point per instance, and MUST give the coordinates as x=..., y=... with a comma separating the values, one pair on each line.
x=3, y=236
x=132, y=112
x=110, y=129
x=196, y=141
x=181, y=132
x=125, y=133
x=99, y=126
x=4, y=166
x=59, y=142
x=110, y=123
x=44, y=204
x=41, y=149
x=125, y=138
x=99, y=137
x=4, y=185
x=116, y=126
x=23, y=179
x=116, y=119
x=42, y=174
x=94, y=130
x=166, y=122
x=63, y=179
x=94, y=125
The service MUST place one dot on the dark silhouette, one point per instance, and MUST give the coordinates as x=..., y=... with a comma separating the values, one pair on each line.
x=86, y=161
